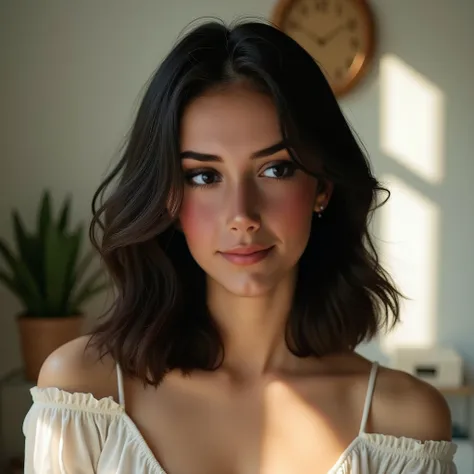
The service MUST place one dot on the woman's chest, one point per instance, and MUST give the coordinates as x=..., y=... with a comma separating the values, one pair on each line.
x=276, y=430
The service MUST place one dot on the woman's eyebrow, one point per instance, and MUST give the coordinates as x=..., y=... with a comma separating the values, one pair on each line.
x=271, y=150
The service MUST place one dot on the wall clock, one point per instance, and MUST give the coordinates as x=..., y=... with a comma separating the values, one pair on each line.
x=339, y=34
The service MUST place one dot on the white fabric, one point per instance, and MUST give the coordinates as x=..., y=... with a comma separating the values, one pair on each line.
x=121, y=392
x=74, y=433
x=368, y=398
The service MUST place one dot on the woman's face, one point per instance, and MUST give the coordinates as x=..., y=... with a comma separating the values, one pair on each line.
x=247, y=209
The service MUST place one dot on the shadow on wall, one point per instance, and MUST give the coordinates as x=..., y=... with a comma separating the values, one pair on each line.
x=421, y=151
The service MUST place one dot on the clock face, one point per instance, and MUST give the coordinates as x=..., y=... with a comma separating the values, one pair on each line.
x=339, y=34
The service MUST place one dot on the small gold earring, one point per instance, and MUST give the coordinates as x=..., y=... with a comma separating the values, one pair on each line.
x=320, y=213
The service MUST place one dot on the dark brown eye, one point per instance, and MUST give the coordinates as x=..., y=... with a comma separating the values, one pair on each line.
x=280, y=170
x=201, y=178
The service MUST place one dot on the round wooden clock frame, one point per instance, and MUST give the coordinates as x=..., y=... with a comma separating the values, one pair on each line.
x=359, y=68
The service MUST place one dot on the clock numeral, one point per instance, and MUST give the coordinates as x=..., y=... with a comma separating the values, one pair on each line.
x=292, y=24
x=352, y=24
x=354, y=43
x=321, y=5
x=303, y=9
x=339, y=8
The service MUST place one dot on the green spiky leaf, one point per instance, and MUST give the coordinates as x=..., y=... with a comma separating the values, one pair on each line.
x=29, y=248
x=64, y=215
x=9, y=282
x=46, y=274
x=7, y=255
x=75, y=241
x=44, y=216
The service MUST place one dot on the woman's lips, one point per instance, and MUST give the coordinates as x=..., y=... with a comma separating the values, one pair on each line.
x=246, y=255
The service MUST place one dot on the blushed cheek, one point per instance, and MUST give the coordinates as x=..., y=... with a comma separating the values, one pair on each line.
x=295, y=211
x=197, y=220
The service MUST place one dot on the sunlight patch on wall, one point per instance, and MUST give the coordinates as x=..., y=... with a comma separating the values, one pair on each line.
x=412, y=119
x=409, y=230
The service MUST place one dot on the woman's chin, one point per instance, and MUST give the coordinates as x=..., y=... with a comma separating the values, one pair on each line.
x=250, y=287
x=253, y=292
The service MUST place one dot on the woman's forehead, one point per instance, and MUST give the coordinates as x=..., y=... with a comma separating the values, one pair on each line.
x=235, y=117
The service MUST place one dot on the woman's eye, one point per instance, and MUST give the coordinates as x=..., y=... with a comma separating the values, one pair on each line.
x=280, y=171
x=203, y=178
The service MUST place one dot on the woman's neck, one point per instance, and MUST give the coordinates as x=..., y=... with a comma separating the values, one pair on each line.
x=253, y=329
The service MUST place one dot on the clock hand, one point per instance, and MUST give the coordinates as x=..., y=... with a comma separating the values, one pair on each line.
x=331, y=35
x=313, y=36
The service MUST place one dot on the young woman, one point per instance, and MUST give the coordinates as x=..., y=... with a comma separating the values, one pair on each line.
x=235, y=228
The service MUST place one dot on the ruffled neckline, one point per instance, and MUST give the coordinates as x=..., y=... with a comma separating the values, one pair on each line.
x=438, y=450
x=76, y=400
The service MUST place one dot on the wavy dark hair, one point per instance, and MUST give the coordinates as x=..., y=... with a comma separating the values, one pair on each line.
x=159, y=320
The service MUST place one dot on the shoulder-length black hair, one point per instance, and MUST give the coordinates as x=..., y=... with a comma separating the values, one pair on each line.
x=159, y=320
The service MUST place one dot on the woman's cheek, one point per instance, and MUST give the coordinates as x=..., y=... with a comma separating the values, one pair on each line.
x=295, y=211
x=197, y=220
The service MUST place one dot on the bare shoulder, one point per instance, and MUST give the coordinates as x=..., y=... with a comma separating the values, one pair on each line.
x=77, y=367
x=406, y=406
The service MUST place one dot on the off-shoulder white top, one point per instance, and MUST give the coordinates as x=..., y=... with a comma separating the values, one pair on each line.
x=74, y=433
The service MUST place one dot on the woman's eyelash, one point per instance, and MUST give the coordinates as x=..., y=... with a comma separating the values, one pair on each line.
x=286, y=165
x=191, y=176
x=284, y=170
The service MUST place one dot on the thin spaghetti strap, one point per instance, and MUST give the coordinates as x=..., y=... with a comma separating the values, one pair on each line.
x=368, y=398
x=120, y=386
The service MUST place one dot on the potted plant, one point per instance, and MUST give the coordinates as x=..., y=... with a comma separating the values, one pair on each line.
x=48, y=276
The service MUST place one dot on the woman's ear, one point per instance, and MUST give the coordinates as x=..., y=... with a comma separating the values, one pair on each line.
x=325, y=190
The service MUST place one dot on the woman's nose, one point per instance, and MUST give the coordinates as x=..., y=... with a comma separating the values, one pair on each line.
x=243, y=209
